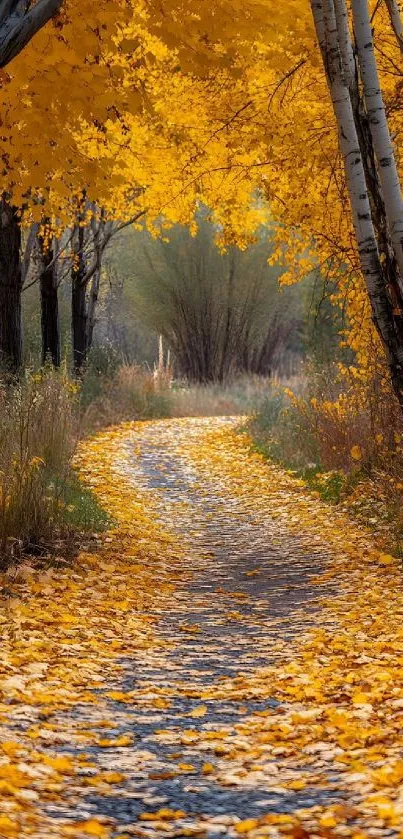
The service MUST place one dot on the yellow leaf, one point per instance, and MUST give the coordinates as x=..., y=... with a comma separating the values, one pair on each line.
x=327, y=820
x=64, y=765
x=123, y=740
x=386, y=559
x=118, y=696
x=201, y=711
x=246, y=825
x=92, y=827
x=297, y=784
x=207, y=768
x=356, y=453
x=111, y=777
x=360, y=698
x=8, y=827
x=160, y=702
x=9, y=747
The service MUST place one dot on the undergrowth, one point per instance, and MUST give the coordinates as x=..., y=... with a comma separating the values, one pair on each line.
x=343, y=436
x=43, y=507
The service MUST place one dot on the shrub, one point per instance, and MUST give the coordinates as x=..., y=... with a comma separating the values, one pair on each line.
x=41, y=500
x=343, y=433
x=38, y=432
x=132, y=393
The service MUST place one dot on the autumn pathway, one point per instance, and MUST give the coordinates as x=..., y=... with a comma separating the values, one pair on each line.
x=226, y=716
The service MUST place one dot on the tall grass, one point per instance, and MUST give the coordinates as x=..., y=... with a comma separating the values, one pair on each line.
x=42, y=504
x=343, y=433
x=241, y=396
x=135, y=393
x=131, y=393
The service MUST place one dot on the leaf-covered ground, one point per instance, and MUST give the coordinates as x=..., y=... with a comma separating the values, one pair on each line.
x=230, y=663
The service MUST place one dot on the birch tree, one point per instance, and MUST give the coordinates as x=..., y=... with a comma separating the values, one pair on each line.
x=378, y=122
x=396, y=21
x=336, y=62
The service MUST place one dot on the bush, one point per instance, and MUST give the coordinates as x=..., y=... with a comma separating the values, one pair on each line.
x=132, y=393
x=342, y=432
x=39, y=498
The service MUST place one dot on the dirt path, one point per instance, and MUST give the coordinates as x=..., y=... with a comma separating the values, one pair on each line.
x=186, y=735
x=248, y=588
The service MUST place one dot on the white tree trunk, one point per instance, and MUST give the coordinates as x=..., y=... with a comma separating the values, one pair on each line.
x=349, y=146
x=326, y=26
x=345, y=42
x=388, y=174
x=396, y=21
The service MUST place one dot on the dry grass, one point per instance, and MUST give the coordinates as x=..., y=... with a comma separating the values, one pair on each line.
x=344, y=435
x=38, y=433
x=240, y=397
x=133, y=393
x=136, y=393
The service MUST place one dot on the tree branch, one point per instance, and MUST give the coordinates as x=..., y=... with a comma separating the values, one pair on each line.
x=18, y=26
x=396, y=21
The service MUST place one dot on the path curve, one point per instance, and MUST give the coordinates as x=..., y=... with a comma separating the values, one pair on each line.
x=247, y=591
x=204, y=679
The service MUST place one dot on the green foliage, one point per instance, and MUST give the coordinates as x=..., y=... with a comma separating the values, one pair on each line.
x=219, y=313
x=80, y=509
x=323, y=324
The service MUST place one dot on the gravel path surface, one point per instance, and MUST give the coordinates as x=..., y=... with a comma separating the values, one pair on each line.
x=247, y=590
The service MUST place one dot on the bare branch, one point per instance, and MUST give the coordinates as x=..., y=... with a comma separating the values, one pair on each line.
x=396, y=21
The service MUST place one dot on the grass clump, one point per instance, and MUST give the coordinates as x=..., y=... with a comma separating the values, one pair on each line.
x=343, y=435
x=130, y=393
x=41, y=503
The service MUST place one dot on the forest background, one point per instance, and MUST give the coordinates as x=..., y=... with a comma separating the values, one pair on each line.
x=182, y=232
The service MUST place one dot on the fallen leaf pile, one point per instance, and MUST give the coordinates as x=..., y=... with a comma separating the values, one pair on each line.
x=65, y=632
x=167, y=685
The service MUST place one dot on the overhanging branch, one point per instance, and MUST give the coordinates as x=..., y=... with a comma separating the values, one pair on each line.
x=18, y=25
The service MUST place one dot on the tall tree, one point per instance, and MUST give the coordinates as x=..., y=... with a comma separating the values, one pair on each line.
x=10, y=288
x=389, y=325
x=48, y=281
x=219, y=313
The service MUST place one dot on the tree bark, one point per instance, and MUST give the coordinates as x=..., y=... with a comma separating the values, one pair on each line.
x=92, y=305
x=10, y=289
x=49, y=306
x=396, y=21
x=387, y=255
x=79, y=312
x=389, y=327
x=378, y=122
x=18, y=26
x=345, y=42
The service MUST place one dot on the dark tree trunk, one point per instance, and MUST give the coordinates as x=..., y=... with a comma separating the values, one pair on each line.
x=91, y=309
x=49, y=307
x=79, y=309
x=19, y=24
x=10, y=289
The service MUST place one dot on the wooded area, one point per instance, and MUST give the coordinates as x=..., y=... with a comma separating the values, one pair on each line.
x=188, y=202
x=201, y=419
x=96, y=163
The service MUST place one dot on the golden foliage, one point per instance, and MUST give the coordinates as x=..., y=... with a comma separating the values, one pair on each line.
x=338, y=686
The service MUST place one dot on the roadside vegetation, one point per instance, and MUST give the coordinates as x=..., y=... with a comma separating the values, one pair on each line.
x=343, y=437
x=44, y=509
x=274, y=355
